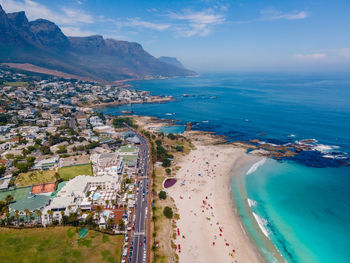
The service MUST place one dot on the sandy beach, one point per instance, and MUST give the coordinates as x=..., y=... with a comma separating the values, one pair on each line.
x=208, y=228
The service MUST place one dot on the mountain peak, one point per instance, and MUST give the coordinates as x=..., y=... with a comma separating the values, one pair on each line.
x=49, y=34
x=171, y=61
x=42, y=43
x=18, y=19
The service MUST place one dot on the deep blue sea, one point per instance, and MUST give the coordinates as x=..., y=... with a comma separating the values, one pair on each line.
x=304, y=202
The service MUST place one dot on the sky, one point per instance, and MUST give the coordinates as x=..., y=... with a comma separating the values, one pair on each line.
x=214, y=35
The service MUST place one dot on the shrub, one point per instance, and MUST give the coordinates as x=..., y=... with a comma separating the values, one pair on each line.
x=166, y=163
x=171, y=136
x=162, y=195
x=168, y=212
x=168, y=171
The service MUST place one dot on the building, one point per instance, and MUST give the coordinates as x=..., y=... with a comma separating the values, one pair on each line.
x=46, y=164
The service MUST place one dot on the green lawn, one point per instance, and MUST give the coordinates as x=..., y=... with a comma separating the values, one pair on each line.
x=67, y=173
x=58, y=244
x=16, y=84
x=36, y=177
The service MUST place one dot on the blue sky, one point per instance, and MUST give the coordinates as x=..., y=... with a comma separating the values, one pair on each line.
x=208, y=35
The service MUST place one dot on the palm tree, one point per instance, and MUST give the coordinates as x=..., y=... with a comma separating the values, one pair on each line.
x=107, y=202
x=17, y=216
x=39, y=214
x=26, y=211
x=50, y=213
x=9, y=199
x=7, y=214
x=30, y=217
x=62, y=214
x=98, y=211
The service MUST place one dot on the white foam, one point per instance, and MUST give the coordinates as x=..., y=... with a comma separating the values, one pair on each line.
x=338, y=156
x=205, y=121
x=256, y=166
x=252, y=203
x=262, y=222
x=323, y=148
x=291, y=135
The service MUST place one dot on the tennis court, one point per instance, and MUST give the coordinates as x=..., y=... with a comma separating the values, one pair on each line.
x=83, y=232
x=43, y=188
x=18, y=193
x=31, y=203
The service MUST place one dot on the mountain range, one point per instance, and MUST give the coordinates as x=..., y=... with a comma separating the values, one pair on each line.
x=41, y=44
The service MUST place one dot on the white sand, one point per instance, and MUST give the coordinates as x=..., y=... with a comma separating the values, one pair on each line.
x=198, y=229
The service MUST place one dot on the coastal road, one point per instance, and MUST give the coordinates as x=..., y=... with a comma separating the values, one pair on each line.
x=140, y=238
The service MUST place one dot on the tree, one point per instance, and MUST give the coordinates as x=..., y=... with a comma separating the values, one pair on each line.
x=50, y=213
x=9, y=199
x=45, y=149
x=168, y=212
x=62, y=217
x=62, y=149
x=119, y=122
x=171, y=136
x=107, y=202
x=110, y=223
x=166, y=163
x=17, y=216
x=30, y=216
x=2, y=170
x=162, y=195
x=168, y=171
x=98, y=209
x=39, y=214
x=121, y=225
x=26, y=211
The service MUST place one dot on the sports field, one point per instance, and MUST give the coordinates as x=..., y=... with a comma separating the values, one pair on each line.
x=17, y=194
x=69, y=172
x=58, y=244
x=36, y=177
x=16, y=84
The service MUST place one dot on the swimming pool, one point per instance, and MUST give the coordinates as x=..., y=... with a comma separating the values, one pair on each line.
x=96, y=196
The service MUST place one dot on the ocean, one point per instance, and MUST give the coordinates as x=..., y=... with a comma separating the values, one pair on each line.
x=301, y=204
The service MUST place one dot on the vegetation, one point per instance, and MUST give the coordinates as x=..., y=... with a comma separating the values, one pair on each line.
x=36, y=177
x=119, y=122
x=58, y=244
x=162, y=195
x=69, y=172
x=168, y=212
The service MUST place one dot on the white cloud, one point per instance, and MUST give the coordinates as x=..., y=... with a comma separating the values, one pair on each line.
x=76, y=32
x=310, y=56
x=35, y=10
x=196, y=23
x=137, y=22
x=272, y=14
x=344, y=52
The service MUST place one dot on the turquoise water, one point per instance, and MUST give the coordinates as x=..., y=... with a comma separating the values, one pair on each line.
x=176, y=129
x=301, y=212
x=306, y=208
x=96, y=196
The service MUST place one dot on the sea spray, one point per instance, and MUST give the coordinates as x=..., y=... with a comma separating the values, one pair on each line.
x=256, y=166
x=252, y=203
x=262, y=222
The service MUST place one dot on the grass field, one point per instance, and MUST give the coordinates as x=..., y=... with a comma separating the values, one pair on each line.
x=36, y=177
x=67, y=173
x=58, y=244
x=16, y=84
